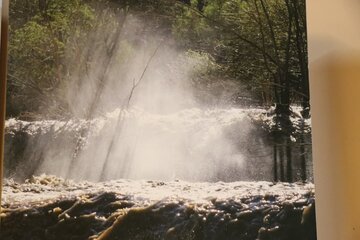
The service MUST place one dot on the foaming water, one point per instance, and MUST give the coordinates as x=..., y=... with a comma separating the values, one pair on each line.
x=55, y=208
x=191, y=144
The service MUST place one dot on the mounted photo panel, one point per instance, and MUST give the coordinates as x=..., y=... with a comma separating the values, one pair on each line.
x=166, y=119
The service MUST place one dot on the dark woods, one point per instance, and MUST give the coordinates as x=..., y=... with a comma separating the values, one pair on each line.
x=275, y=35
x=259, y=44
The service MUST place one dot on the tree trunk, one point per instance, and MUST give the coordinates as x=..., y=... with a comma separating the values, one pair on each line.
x=301, y=39
x=289, y=168
x=282, y=165
x=303, y=155
x=276, y=177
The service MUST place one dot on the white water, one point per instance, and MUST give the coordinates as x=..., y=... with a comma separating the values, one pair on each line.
x=191, y=144
x=147, y=192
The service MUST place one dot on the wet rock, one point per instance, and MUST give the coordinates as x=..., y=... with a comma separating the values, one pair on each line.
x=87, y=206
x=112, y=215
x=263, y=234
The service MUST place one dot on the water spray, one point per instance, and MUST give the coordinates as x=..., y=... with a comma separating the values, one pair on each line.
x=100, y=87
x=120, y=116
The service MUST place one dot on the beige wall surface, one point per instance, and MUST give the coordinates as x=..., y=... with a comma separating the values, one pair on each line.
x=334, y=56
x=332, y=25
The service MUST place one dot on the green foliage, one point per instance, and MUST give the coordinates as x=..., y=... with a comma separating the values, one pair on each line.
x=37, y=48
x=261, y=44
x=255, y=42
x=205, y=64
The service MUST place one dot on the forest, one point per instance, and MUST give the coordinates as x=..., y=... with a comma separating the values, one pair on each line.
x=261, y=45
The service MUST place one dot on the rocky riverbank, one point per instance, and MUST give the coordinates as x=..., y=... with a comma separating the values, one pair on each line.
x=51, y=208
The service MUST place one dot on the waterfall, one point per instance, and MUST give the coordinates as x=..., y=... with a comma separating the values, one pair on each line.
x=191, y=144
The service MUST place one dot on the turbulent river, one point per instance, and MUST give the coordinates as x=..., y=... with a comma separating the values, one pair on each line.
x=195, y=175
x=47, y=207
x=191, y=144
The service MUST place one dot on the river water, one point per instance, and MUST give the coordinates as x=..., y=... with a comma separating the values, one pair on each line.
x=191, y=144
x=193, y=174
x=47, y=207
